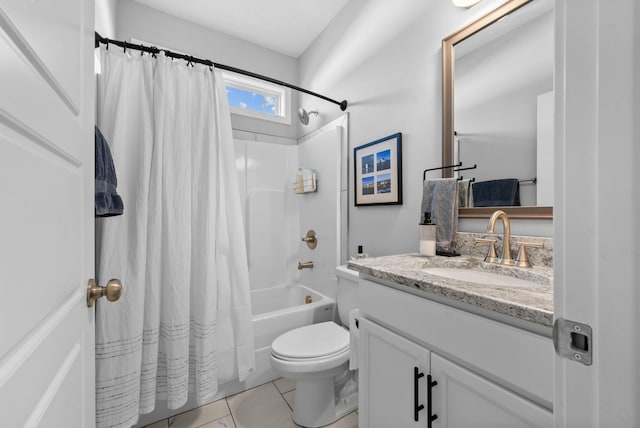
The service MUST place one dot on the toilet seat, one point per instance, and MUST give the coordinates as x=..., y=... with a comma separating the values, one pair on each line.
x=337, y=355
x=315, y=342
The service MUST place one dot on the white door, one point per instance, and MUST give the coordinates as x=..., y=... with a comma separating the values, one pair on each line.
x=462, y=399
x=46, y=220
x=389, y=371
x=597, y=198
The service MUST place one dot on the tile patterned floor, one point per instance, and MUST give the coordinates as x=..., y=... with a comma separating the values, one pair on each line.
x=265, y=406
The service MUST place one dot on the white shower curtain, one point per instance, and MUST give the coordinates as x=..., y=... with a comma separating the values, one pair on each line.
x=183, y=323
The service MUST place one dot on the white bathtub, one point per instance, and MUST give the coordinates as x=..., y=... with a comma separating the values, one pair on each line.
x=275, y=311
x=280, y=309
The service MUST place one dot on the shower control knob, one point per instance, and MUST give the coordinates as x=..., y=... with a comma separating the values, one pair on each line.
x=112, y=291
x=311, y=239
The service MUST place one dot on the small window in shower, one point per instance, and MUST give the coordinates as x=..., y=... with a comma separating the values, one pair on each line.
x=249, y=96
x=255, y=98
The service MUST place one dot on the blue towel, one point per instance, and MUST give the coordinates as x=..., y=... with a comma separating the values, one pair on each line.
x=108, y=202
x=496, y=193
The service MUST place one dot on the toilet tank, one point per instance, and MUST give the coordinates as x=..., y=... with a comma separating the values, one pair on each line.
x=347, y=294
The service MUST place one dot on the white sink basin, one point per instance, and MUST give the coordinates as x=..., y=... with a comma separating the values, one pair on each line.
x=480, y=277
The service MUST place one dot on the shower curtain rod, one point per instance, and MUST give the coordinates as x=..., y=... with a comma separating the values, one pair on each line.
x=155, y=50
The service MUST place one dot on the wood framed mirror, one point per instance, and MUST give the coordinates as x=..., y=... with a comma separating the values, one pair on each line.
x=450, y=155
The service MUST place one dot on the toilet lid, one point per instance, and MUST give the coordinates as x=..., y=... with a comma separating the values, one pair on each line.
x=312, y=341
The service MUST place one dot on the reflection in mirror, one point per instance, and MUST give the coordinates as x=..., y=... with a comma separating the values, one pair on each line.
x=502, y=112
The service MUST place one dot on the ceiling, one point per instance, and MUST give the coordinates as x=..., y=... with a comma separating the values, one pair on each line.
x=285, y=26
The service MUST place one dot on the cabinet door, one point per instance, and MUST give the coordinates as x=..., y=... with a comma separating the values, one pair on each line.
x=462, y=399
x=387, y=379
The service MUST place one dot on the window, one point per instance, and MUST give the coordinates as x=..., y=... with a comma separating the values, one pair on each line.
x=256, y=98
x=249, y=96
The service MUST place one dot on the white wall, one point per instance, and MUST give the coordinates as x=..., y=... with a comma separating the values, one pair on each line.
x=496, y=90
x=545, y=149
x=105, y=17
x=385, y=59
x=147, y=24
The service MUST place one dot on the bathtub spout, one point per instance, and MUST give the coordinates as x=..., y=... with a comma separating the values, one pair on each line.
x=305, y=265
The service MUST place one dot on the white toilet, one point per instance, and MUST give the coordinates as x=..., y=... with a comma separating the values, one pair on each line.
x=317, y=357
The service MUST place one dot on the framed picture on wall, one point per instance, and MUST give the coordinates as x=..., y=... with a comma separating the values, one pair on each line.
x=378, y=172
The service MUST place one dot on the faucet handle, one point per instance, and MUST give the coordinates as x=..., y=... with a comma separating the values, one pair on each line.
x=522, y=260
x=491, y=256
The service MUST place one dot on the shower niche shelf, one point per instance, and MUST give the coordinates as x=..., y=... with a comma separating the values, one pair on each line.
x=311, y=187
x=306, y=181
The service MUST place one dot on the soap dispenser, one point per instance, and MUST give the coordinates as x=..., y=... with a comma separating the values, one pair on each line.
x=427, y=236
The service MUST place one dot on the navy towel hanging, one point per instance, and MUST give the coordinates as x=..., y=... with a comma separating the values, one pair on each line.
x=108, y=202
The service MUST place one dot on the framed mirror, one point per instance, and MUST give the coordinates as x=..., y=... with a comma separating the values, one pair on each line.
x=497, y=104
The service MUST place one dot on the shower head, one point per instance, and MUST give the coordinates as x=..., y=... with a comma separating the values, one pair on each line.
x=303, y=115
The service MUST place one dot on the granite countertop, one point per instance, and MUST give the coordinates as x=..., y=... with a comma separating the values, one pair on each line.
x=533, y=304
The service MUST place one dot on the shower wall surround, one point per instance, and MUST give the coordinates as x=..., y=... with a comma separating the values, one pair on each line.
x=276, y=217
x=324, y=211
x=270, y=210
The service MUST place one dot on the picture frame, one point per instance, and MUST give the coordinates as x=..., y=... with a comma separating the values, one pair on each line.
x=378, y=172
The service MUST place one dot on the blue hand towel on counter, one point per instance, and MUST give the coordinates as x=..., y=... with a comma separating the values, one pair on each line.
x=108, y=202
x=440, y=198
x=496, y=193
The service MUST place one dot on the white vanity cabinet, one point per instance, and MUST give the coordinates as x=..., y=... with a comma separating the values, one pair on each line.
x=464, y=399
x=389, y=371
x=484, y=373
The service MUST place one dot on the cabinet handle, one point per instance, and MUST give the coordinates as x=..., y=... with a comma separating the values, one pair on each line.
x=416, y=399
x=430, y=385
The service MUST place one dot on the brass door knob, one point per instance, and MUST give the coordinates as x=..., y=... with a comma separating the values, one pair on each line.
x=112, y=290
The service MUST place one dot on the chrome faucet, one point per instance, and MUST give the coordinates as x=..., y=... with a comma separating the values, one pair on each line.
x=506, y=247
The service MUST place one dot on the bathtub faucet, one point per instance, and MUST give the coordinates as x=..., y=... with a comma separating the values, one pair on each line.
x=305, y=265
